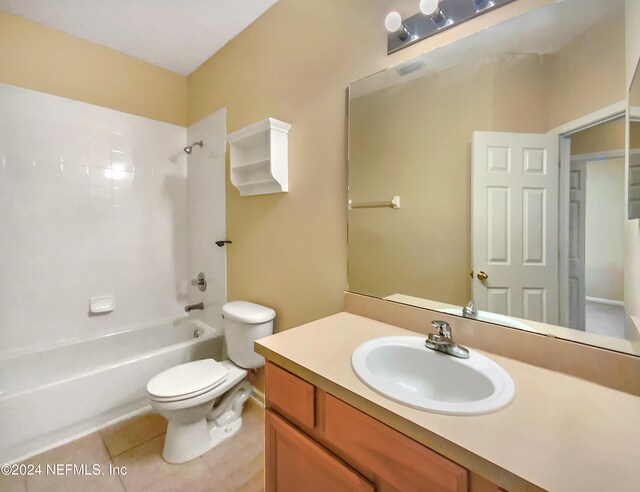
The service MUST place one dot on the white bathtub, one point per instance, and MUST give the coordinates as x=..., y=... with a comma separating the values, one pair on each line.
x=51, y=396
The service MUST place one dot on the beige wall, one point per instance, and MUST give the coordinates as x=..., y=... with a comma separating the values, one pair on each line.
x=632, y=36
x=601, y=138
x=604, y=231
x=587, y=74
x=43, y=59
x=634, y=135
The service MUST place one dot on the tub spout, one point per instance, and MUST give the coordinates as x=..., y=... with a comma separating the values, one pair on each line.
x=194, y=307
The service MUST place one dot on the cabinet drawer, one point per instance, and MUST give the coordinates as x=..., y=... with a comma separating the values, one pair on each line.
x=295, y=463
x=290, y=396
x=383, y=453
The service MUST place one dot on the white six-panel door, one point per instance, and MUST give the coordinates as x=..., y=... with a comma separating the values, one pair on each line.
x=577, y=223
x=515, y=224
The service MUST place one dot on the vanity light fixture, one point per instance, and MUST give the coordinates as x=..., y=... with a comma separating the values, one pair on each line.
x=394, y=25
x=429, y=7
x=433, y=9
x=433, y=17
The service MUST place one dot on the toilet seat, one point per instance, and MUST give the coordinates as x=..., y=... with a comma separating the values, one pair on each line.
x=187, y=381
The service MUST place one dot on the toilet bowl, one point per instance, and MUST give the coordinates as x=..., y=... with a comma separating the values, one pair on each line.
x=203, y=400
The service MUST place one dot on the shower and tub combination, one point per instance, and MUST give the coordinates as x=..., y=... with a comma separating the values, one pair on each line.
x=99, y=205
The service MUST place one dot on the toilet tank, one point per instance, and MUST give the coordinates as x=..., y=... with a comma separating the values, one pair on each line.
x=244, y=323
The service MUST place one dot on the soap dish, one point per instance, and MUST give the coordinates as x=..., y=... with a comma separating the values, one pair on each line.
x=102, y=304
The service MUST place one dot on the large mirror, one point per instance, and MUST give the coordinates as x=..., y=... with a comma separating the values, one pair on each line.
x=487, y=178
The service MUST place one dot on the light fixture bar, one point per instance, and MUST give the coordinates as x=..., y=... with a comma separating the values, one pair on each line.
x=448, y=13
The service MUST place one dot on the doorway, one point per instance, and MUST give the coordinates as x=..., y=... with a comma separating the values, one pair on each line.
x=596, y=215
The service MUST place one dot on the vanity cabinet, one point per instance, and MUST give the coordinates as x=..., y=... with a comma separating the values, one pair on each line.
x=314, y=441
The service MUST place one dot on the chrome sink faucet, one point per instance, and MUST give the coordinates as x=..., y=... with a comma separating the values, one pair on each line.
x=442, y=341
x=470, y=310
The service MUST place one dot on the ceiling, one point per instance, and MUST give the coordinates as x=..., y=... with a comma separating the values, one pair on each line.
x=178, y=35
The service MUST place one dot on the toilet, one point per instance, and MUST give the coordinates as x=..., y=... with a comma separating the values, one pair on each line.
x=203, y=400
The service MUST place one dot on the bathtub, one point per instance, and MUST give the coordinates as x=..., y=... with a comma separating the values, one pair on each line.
x=54, y=395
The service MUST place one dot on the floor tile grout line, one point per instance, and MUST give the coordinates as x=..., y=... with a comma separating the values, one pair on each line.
x=124, y=488
x=133, y=447
x=124, y=424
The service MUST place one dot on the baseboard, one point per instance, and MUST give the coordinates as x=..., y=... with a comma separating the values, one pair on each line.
x=633, y=329
x=258, y=397
x=600, y=300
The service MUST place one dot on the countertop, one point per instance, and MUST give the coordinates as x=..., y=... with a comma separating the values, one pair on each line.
x=560, y=433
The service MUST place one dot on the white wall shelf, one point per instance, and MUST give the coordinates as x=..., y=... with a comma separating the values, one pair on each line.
x=259, y=158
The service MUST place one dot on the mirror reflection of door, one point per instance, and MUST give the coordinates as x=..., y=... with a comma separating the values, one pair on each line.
x=515, y=224
x=515, y=243
x=577, y=221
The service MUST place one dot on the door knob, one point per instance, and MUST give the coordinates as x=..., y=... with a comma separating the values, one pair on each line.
x=482, y=276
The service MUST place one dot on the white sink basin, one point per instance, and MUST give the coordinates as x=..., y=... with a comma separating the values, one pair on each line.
x=404, y=370
x=498, y=319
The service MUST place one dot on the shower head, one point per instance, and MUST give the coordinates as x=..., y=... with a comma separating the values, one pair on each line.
x=189, y=148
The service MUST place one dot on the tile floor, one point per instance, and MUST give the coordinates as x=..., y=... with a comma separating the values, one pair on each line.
x=234, y=466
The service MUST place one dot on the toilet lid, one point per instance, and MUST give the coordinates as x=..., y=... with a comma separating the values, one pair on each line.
x=187, y=379
x=248, y=312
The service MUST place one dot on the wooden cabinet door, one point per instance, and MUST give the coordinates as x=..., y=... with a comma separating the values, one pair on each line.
x=383, y=454
x=294, y=463
x=290, y=396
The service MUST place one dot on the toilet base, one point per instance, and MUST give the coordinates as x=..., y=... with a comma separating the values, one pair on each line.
x=184, y=445
x=188, y=440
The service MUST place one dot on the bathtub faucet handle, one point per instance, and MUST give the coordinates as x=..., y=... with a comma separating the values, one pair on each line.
x=200, y=282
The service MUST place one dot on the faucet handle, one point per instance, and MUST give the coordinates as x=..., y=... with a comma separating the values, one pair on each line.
x=444, y=328
x=200, y=282
x=470, y=310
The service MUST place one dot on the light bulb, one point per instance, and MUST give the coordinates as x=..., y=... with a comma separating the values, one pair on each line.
x=428, y=7
x=393, y=22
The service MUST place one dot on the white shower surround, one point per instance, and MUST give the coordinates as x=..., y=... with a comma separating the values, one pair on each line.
x=91, y=204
